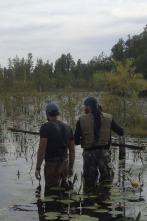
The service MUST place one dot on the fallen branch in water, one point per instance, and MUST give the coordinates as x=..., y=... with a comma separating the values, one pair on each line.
x=128, y=145
x=113, y=144
x=23, y=131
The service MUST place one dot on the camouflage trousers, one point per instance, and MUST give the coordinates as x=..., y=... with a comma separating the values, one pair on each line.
x=97, y=163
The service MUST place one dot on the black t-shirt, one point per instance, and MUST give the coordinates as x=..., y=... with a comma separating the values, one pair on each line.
x=58, y=134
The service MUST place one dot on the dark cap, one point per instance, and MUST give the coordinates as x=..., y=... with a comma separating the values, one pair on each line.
x=90, y=101
x=93, y=103
x=52, y=108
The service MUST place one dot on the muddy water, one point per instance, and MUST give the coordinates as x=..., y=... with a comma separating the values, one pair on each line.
x=18, y=198
x=22, y=197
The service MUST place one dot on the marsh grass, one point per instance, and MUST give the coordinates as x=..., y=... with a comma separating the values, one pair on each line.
x=17, y=108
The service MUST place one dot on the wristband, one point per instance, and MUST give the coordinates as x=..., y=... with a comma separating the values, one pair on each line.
x=38, y=168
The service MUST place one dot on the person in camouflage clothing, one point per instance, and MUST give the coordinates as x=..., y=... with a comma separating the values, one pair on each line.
x=93, y=132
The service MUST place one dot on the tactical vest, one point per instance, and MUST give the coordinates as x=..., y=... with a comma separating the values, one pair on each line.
x=87, y=130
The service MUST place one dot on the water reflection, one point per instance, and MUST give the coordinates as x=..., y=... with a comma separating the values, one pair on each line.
x=112, y=200
x=69, y=204
x=116, y=196
x=51, y=206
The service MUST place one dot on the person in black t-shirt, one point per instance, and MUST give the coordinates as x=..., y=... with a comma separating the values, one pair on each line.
x=56, y=147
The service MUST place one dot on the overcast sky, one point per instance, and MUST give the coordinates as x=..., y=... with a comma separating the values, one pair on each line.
x=83, y=28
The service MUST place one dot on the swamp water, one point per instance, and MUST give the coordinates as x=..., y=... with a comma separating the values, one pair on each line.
x=22, y=196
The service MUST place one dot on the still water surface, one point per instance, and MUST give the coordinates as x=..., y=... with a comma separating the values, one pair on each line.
x=19, y=199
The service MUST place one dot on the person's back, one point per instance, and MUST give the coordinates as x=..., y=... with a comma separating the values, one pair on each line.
x=88, y=139
x=93, y=132
x=56, y=140
x=59, y=134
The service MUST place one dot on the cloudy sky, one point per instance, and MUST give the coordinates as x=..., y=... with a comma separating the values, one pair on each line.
x=83, y=28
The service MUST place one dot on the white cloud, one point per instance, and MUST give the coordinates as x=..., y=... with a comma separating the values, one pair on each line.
x=51, y=27
x=138, y=10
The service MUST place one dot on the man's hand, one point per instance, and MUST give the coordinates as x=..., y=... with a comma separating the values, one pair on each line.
x=40, y=157
x=37, y=175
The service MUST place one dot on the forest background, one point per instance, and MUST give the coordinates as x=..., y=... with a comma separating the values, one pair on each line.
x=23, y=74
x=122, y=76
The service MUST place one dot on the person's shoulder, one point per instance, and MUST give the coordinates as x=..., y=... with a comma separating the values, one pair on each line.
x=82, y=116
x=63, y=123
x=107, y=115
x=85, y=116
x=66, y=125
x=45, y=125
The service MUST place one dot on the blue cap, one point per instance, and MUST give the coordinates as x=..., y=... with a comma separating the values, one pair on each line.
x=52, y=108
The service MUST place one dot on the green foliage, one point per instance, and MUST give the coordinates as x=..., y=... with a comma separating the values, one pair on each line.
x=23, y=75
x=64, y=64
x=1, y=79
x=122, y=86
x=135, y=47
x=118, y=50
x=121, y=80
x=42, y=76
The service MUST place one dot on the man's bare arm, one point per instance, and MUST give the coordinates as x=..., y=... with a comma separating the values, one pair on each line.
x=40, y=156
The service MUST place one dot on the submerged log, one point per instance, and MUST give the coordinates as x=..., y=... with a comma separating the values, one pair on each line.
x=128, y=145
x=22, y=131
x=113, y=144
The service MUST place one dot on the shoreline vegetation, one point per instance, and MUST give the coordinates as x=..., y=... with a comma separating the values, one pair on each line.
x=24, y=75
x=130, y=112
x=119, y=81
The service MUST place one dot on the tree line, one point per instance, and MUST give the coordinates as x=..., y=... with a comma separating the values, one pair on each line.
x=22, y=74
